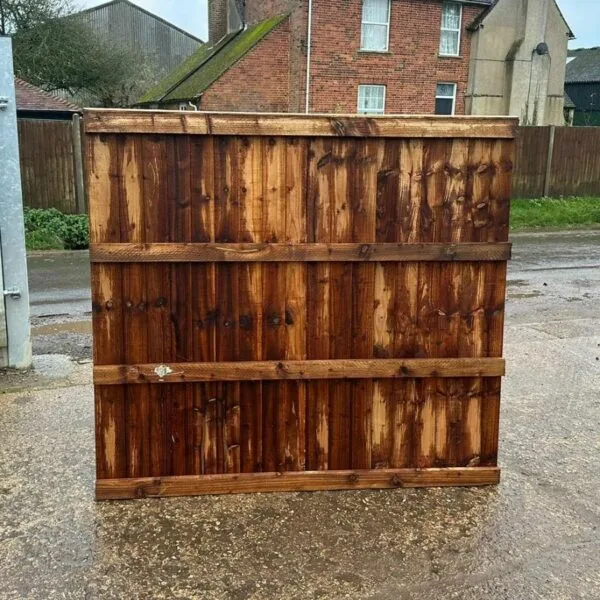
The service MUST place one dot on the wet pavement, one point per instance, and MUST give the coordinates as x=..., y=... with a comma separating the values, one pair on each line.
x=534, y=536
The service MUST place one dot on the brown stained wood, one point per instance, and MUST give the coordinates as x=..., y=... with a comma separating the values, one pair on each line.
x=163, y=487
x=291, y=125
x=283, y=370
x=269, y=302
x=107, y=312
x=272, y=252
x=250, y=286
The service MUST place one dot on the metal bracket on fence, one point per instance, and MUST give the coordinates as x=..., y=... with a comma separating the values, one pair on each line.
x=13, y=293
x=3, y=102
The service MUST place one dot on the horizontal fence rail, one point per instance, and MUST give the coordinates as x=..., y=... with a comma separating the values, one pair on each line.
x=296, y=302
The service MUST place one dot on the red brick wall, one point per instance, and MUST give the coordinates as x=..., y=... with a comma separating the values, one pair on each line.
x=259, y=81
x=217, y=20
x=410, y=69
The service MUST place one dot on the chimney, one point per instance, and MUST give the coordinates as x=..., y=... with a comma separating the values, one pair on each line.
x=224, y=16
x=217, y=20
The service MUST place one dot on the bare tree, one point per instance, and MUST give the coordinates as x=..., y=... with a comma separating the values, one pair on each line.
x=57, y=50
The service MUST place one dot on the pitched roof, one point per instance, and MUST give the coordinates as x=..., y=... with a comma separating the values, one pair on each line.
x=32, y=98
x=585, y=66
x=143, y=10
x=199, y=71
x=568, y=102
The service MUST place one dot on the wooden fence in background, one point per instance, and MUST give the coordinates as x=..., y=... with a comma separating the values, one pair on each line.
x=557, y=161
x=52, y=164
x=296, y=303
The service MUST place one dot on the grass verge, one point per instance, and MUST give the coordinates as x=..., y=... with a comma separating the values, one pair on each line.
x=555, y=213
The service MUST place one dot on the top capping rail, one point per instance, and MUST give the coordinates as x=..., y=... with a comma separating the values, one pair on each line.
x=291, y=125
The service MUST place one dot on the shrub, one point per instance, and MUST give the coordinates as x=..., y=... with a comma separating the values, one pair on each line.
x=50, y=229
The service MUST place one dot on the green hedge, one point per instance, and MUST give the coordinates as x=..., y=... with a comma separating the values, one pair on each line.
x=50, y=229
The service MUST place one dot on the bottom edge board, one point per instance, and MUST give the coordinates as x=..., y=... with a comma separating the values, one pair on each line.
x=298, y=481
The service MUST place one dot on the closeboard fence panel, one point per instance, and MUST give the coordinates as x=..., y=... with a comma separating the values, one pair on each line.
x=47, y=164
x=531, y=161
x=576, y=162
x=296, y=303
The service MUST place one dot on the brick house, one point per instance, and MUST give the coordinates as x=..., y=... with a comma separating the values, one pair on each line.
x=392, y=56
x=366, y=56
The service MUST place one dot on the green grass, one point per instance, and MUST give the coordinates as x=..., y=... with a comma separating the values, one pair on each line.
x=555, y=213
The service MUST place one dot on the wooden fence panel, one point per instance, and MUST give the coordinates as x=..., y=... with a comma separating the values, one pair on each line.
x=51, y=165
x=314, y=304
x=576, y=162
x=531, y=162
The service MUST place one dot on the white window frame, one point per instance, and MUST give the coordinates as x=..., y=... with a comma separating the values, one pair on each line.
x=363, y=23
x=442, y=28
x=455, y=86
x=359, y=110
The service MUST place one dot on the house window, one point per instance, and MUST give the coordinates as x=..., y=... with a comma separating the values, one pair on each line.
x=375, y=25
x=371, y=99
x=451, y=25
x=445, y=98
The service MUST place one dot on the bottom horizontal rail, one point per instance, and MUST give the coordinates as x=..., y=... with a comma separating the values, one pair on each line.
x=300, y=481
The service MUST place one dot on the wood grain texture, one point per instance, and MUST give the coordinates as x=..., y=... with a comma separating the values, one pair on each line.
x=276, y=370
x=164, y=487
x=292, y=125
x=334, y=252
x=282, y=294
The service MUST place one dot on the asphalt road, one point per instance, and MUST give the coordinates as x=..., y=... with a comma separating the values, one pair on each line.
x=535, y=536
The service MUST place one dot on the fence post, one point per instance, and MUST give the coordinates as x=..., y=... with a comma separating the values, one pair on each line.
x=13, y=259
x=548, y=176
x=78, y=164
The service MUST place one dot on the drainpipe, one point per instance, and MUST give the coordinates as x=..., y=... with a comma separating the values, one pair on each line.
x=308, y=56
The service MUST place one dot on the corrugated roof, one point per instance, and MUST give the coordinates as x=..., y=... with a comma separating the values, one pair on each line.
x=29, y=97
x=208, y=64
x=585, y=66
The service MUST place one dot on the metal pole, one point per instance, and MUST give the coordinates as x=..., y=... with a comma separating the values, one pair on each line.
x=548, y=175
x=78, y=164
x=15, y=290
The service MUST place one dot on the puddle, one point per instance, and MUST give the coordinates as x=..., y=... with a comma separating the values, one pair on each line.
x=517, y=283
x=69, y=327
x=524, y=296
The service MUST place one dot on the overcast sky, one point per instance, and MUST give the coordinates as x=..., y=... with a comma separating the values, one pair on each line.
x=583, y=16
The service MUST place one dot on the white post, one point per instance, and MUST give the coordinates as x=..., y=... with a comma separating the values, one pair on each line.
x=15, y=290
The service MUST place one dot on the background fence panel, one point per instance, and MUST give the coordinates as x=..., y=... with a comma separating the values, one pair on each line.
x=294, y=303
x=531, y=162
x=49, y=166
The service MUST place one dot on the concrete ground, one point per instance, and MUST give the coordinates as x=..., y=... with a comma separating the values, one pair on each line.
x=534, y=536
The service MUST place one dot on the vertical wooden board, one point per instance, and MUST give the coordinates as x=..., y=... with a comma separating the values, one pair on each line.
x=107, y=309
x=275, y=394
x=296, y=157
x=319, y=217
x=161, y=211
x=179, y=398
x=204, y=304
x=502, y=161
x=227, y=229
x=363, y=193
x=481, y=202
x=250, y=302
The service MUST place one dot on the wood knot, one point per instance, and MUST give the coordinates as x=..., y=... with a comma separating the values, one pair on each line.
x=227, y=323
x=289, y=319
x=142, y=306
x=160, y=302
x=353, y=478
x=109, y=305
x=274, y=320
x=365, y=251
x=396, y=481
x=129, y=304
x=245, y=322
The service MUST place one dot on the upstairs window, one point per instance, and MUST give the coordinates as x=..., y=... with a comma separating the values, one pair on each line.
x=375, y=25
x=371, y=99
x=451, y=25
x=445, y=98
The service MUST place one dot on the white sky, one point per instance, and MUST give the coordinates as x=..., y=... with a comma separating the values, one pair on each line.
x=583, y=16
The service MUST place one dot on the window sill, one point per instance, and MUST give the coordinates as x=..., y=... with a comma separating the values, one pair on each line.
x=449, y=56
x=362, y=51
